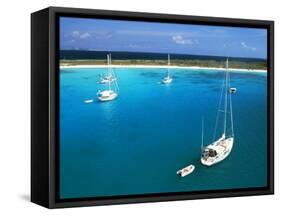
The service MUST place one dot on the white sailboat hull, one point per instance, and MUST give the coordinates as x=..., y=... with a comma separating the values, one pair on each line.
x=109, y=98
x=105, y=80
x=222, y=147
x=107, y=95
x=167, y=80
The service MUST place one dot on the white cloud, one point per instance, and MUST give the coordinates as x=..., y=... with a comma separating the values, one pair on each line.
x=245, y=46
x=78, y=34
x=75, y=34
x=179, y=39
x=85, y=35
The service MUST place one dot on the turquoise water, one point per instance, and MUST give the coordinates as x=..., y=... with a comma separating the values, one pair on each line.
x=136, y=143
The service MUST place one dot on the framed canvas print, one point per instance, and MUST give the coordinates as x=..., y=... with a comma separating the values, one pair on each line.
x=138, y=107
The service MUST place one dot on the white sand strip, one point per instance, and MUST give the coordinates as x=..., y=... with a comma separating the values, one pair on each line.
x=162, y=66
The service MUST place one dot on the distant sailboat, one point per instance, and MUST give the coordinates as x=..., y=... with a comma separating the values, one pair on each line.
x=109, y=76
x=168, y=79
x=221, y=148
x=232, y=90
x=112, y=92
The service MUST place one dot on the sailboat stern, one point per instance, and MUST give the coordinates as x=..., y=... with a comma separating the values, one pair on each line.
x=217, y=151
x=167, y=80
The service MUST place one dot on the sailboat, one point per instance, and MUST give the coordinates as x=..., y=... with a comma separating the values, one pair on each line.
x=168, y=79
x=112, y=91
x=109, y=77
x=219, y=149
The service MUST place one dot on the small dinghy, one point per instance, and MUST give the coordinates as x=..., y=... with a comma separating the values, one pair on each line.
x=88, y=101
x=186, y=170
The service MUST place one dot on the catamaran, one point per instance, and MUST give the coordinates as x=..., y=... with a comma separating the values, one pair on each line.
x=109, y=77
x=221, y=148
x=112, y=92
x=168, y=79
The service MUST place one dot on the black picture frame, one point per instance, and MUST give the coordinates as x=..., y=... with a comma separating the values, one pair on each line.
x=45, y=106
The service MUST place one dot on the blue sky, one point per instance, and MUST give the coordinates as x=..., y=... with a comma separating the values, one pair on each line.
x=132, y=36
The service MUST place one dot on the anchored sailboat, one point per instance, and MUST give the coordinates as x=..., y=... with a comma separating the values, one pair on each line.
x=112, y=92
x=221, y=148
x=168, y=79
x=109, y=76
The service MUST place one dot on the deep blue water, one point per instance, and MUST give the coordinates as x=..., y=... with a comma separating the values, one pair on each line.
x=136, y=143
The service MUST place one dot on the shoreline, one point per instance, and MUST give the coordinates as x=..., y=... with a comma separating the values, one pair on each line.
x=164, y=67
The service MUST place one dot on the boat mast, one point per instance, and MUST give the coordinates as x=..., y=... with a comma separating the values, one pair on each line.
x=202, y=135
x=169, y=65
x=109, y=69
x=230, y=108
x=108, y=64
x=225, y=98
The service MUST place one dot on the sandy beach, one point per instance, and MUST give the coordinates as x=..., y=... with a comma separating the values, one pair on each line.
x=163, y=66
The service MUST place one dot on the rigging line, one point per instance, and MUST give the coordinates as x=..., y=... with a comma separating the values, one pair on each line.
x=109, y=85
x=231, y=114
x=108, y=63
x=115, y=81
x=202, y=136
x=218, y=112
x=112, y=72
x=225, y=98
x=168, y=65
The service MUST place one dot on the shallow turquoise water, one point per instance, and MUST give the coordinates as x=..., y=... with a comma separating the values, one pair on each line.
x=136, y=143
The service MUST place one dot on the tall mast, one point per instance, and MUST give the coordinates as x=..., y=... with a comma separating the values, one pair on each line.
x=230, y=109
x=225, y=98
x=202, y=135
x=109, y=69
x=168, y=65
